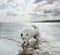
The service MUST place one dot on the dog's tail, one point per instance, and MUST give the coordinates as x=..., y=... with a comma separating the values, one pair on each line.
x=35, y=27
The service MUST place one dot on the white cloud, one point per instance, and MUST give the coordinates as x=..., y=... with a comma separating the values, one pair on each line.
x=46, y=10
x=19, y=11
x=3, y=1
x=16, y=11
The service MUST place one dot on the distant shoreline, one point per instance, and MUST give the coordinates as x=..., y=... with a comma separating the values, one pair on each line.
x=47, y=21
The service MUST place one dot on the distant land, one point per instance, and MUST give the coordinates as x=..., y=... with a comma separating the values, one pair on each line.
x=46, y=21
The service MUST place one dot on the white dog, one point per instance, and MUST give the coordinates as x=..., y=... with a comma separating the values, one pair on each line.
x=30, y=35
x=30, y=32
x=46, y=44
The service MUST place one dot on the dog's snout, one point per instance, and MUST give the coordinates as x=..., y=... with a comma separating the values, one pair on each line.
x=21, y=34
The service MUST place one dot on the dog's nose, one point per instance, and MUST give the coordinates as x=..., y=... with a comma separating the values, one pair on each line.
x=23, y=38
x=21, y=34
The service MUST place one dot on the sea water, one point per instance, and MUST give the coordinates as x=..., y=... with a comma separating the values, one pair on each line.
x=10, y=36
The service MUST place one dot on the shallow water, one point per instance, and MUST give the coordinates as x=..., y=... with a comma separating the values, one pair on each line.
x=10, y=36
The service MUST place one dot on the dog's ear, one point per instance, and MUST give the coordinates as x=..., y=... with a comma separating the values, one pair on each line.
x=35, y=27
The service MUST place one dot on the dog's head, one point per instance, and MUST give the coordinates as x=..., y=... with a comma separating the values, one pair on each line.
x=25, y=34
x=28, y=32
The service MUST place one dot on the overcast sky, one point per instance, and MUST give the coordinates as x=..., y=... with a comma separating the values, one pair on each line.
x=28, y=10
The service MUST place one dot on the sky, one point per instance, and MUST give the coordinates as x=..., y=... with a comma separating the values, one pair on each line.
x=29, y=10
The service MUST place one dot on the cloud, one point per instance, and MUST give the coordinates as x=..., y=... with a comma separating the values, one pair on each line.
x=26, y=10
x=46, y=9
x=11, y=14
x=15, y=10
x=56, y=12
x=48, y=1
x=37, y=1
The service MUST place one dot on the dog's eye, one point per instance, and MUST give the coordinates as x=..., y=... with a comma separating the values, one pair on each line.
x=35, y=37
x=26, y=34
x=21, y=34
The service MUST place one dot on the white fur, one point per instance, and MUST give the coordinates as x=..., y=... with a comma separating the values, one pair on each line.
x=31, y=31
